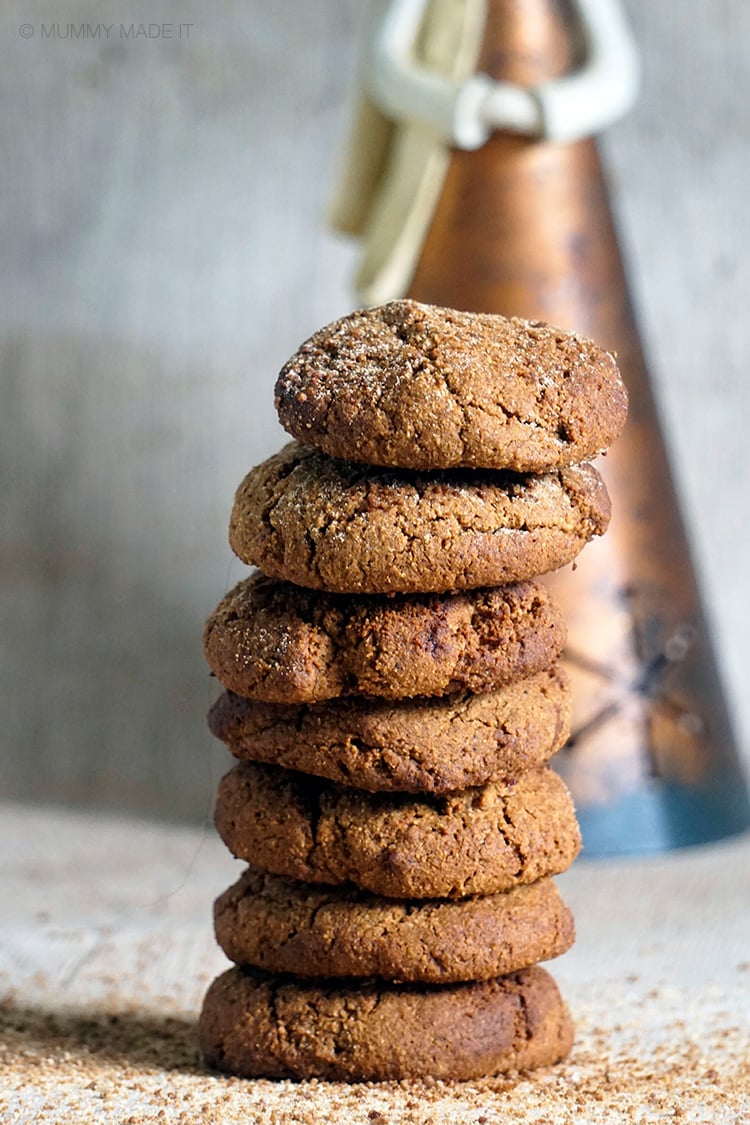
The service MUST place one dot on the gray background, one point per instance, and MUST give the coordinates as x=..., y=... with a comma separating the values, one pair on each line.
x=164, y=249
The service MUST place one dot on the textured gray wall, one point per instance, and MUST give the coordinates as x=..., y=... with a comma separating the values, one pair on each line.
x=164, y=249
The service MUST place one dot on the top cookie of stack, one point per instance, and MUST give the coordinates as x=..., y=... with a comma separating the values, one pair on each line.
x=413, y=386
x=471, y=428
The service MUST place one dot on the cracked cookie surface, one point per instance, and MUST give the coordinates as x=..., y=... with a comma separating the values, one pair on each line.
x=417, y=745
x=273, y=641
x=255, y=1024
x=338, y=526
x=411, y=385
x=478, y=841
x=285, y=926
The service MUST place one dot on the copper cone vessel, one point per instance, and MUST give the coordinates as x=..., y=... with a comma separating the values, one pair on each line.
x=525, y=228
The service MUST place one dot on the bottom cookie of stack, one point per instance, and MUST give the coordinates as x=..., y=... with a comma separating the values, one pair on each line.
x=257, y=1024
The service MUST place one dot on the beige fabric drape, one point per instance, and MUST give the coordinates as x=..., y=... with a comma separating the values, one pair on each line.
x=394, y=171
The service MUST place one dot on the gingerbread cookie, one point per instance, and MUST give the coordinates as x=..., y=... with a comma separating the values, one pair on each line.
x=478, y=841
x=258, y=1025
x=420, y=387
x=276, y=642
x=285, y=926
x=416, y=745
x=334, y=525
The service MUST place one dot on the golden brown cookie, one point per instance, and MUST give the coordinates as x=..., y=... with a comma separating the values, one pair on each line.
x=257, y=1025
x=273, y=641
x=420, y=387
x=285, y=926
x=335, y=525
x=415, y=745
x=478, y=841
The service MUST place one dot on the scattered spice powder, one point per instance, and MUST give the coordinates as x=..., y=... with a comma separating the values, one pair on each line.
x=134, y=1066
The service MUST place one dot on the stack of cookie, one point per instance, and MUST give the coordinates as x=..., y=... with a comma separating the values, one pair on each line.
x=393, y=695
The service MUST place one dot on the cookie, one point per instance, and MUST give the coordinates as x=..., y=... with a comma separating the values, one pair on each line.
x=420, y=387
x=417, y=745
x=284, y=926
x=276, y=642
x=257, y=1025
x=338, y=526
x=475, y=842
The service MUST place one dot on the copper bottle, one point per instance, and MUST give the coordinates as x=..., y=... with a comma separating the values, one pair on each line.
x=525, y=228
